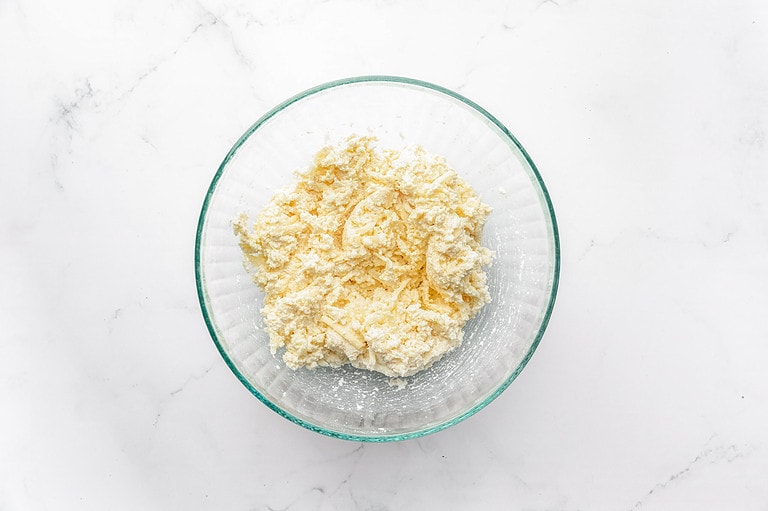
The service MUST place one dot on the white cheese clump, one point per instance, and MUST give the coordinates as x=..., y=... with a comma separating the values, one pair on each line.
x=372, y=258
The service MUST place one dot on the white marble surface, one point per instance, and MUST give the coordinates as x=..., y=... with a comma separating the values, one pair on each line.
x=649, y=123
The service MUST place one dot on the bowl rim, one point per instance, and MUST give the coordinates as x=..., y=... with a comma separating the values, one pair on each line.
x=203, y=297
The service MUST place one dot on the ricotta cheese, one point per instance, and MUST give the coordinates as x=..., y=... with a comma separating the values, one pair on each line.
x=371, y=258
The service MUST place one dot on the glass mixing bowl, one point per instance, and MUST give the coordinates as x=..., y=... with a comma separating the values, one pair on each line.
x=356, y=404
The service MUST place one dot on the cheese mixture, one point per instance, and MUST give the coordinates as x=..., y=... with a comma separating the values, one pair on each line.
x=372, y=258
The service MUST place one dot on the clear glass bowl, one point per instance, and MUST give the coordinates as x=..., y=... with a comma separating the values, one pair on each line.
x=361, y=405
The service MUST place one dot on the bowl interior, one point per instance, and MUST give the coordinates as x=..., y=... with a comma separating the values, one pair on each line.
x=348, y=402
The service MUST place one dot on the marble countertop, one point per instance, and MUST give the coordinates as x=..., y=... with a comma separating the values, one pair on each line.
x=649, y=123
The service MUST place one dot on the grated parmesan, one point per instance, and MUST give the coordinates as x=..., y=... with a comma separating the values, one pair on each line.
x=371, y=258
